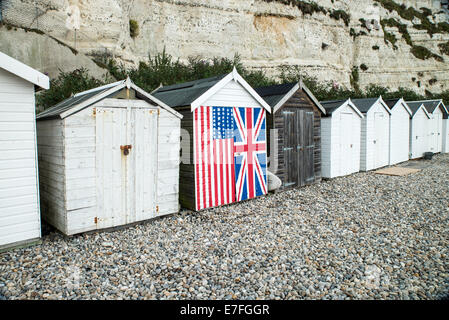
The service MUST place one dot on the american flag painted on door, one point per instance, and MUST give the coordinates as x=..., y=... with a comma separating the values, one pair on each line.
x=230, y=155
x=214, y=156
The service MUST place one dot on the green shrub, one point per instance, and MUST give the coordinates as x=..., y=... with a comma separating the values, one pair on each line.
x=164, y=69
x=402, y=28
x=375, y=47
x=65, y=85
x=363, y=67
x=444, y=48
x=423, y=53
x=340, y=14
x=133, y=28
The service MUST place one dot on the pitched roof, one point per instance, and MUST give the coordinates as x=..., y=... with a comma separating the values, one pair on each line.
x=194, y=93
x=332, y=105
x=86, y=98
x=391, y=102
x=364, y=104
x=431, y=105
x=23, y=71
x=414, y=106
x=277, y=95
x=273, y=94
x=183, y=94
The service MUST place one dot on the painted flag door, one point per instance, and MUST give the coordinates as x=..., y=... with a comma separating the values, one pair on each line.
x=230, y=155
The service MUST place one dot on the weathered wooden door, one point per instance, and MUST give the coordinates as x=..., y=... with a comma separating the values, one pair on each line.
x=126, y=163
x=298, y=147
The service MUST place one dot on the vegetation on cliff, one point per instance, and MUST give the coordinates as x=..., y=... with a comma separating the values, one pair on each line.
x=163, y=69
x=311, y=7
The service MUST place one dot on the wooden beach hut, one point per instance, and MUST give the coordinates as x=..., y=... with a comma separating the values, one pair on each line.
x=375, y=133
x=108, y=157
x=340, y=138
x=419, y=130
x=223, y=141
x=294, y=146
x=437, y=111
x=19, y=194
x=399, y=130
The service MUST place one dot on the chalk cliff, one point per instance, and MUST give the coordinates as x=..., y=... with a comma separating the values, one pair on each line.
x=266, y=34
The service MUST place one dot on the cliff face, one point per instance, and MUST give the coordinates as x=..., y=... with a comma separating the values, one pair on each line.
x=266, y=34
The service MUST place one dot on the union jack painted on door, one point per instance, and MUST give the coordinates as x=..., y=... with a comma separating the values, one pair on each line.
x=230, y=155
x=250, y=155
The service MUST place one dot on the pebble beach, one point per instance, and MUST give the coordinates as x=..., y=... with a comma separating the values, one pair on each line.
x=364, y=236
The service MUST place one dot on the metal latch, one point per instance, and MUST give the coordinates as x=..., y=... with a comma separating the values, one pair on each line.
x=126, y=148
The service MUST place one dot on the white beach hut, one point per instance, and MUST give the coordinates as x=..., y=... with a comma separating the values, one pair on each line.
x=399, y=130
x=108, y=157
x=419, y=130
x=340, y=138
x=19, y=194
x=446, y=132
x=375, y=133
x=437, y=112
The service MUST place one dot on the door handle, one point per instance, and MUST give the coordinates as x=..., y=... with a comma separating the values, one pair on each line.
x=126, y=148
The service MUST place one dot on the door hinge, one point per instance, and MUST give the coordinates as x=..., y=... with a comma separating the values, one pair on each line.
x=94, y=111
x=157, y=208
x=96, y=220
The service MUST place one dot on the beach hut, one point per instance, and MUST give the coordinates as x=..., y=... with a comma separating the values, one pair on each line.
x=108, y=157
x=399, y=130
x=340, y=138
x=294, y=147
x=446, y=132
x=437, y=111
x=19, y=195
x=223, y=142
x=375, y=133
x=419, y=130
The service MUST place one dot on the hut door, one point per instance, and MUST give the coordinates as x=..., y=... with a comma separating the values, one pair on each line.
x=290, y=150
x=126, y=159
x=298, y=147
x=307, y=168
x=380, y=139
x=346, y=144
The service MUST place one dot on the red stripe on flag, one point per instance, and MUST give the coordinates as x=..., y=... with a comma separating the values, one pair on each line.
x=202, y=157
x=209, y=142
x=197, y=137
x=221, y=173
x=249, y=122
x=233, y=182
x=227, y=170
x=215, y=172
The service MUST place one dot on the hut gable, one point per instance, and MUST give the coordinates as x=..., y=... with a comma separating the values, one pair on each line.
x=340, y=138
x=223, y=125
x=110, y=157
x=19, y=193
x=375, y=133
x=399, y=130
x=436, y=126
x=295, y=142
